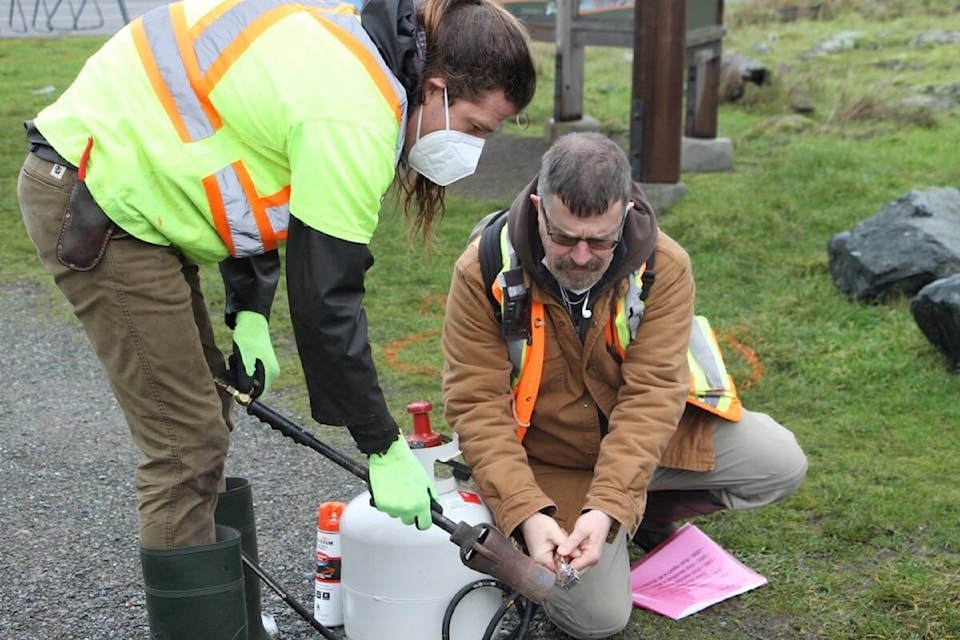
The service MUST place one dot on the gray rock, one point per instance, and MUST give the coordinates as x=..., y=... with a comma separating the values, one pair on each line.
x=933, y=38
x=704, y=155
x=907, y=245
x=936, y=310
x=839, y=42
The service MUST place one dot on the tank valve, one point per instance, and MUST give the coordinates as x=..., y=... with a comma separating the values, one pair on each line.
x=423, y=435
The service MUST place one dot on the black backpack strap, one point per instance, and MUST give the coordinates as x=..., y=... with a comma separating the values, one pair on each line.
x=491, y=261
x=648, y=277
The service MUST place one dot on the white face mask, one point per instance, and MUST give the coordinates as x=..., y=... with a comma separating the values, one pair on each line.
x=444, y=156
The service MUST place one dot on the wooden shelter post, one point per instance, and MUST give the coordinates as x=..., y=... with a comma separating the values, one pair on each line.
x=656, y=110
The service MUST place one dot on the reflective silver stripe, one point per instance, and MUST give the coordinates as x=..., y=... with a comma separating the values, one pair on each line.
x=158, y=27
x=634, y=306
x=209, y=45
x=243, y=226
x=508, y=255
x=215, y=38
x=241, y=219
x=704, y=355
x=220, y=34
x=208, y=48
x=279, y=217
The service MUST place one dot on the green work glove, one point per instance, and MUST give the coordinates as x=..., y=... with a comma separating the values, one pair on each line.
x=253, y=365
x=400, y=486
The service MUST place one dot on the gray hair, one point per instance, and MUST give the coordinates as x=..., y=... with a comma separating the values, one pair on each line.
x=587, y=171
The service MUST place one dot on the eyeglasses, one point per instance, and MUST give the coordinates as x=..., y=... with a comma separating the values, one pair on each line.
x=563, y=240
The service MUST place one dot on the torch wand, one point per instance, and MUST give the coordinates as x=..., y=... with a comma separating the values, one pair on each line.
x=483, y=547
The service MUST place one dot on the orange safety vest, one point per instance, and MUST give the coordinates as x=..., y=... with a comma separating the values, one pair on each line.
x=711, y=387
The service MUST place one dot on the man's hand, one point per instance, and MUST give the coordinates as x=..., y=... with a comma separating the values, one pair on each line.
x=585, y=544
x=542, y=535
x=253, y=365
x=400, y=486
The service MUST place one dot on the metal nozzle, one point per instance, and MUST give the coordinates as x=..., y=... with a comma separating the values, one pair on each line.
x=485, y=549
x=239, y=397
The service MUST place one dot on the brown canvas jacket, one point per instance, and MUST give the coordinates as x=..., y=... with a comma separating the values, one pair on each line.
x=565, y=465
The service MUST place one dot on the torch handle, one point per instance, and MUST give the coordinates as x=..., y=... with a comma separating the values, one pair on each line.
x=298, y=434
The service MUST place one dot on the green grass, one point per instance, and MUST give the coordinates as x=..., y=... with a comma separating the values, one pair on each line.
x=868, y=548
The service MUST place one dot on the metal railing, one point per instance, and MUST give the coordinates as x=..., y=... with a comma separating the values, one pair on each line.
x=59, y=16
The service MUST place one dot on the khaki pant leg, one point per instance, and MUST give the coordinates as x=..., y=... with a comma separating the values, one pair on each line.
x=140, y=310
x=758, y=462
x=600, y=605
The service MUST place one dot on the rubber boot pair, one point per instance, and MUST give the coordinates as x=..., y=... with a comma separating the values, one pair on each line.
x=206, y=592
x=663, y=510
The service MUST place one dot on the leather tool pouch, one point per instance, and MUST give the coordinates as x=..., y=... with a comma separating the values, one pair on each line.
x=85, y=231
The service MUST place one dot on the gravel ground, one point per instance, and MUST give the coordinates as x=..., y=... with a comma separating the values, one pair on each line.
x=70, y=564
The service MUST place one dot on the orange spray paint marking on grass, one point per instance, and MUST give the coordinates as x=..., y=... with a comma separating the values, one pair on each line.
x=753, y=360
x=393, y=354
x=395, y=348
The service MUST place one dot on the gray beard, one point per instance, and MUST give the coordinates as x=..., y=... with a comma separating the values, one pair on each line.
x=577, y=283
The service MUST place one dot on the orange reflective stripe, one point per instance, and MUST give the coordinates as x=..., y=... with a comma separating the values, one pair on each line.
x=185, y=43
x=235, y=49
x=280, y=198
x=528, y=385
x=342, y=9
x=156, y=80
x=611, y=332
x=218, y=211
x=365, y=57
x=257, y=206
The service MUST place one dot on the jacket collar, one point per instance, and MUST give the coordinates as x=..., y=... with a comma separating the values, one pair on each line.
x=392, y=25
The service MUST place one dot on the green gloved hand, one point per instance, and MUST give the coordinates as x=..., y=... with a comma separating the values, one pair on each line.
x=400, y=486
x=253, y=365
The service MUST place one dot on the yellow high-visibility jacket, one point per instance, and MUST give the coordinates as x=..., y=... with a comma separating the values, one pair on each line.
x=207, y=122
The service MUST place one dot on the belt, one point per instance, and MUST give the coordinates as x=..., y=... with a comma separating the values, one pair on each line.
x=41, y=148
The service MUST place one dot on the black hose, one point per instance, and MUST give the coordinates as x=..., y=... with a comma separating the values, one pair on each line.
x=525, y=609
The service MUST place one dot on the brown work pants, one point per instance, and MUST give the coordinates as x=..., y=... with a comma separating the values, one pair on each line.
x=144, y=314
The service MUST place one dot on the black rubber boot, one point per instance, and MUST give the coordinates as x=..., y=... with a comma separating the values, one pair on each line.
x=664, y=508
x=235, y=509
x=196, y=593
x=649, y=534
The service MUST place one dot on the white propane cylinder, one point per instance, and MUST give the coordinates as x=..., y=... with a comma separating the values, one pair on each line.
x=397, y=581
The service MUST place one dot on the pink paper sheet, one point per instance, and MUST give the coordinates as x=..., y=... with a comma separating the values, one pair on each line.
x=688, y=573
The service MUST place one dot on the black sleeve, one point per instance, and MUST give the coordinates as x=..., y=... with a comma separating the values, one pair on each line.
x=250, y=284
x=325, y=285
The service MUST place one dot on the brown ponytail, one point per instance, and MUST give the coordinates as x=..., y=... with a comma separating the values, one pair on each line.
x=476, y=46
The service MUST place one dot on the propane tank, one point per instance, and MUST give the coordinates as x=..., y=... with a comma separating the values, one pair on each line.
x=328, y=597
x=397, y=581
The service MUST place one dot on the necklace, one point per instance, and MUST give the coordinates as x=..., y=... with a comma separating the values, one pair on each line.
x=572, y=303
